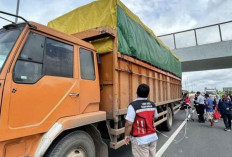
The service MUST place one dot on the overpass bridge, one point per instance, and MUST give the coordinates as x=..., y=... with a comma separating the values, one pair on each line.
x=203, y=48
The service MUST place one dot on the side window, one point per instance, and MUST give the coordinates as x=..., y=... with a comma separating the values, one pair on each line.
x=33, y=49
x=27, y=72
x=43, y=56
x=58, y=59
x=87, y=65
x=28, y=67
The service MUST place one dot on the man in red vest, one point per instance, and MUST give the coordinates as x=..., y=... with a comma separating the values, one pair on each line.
x=139, y=127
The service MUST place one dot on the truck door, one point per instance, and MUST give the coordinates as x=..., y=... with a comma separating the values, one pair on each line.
x=43, y=86
x=89, y=81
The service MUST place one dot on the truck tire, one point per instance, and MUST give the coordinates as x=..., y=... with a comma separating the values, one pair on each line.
x=167, y=125
x=77, y=143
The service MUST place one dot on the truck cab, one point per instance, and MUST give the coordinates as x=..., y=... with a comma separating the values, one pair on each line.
x=211, y=92
x=44, y=77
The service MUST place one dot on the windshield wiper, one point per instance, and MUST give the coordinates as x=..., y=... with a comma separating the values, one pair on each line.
x=7, y=20
x=9, y=14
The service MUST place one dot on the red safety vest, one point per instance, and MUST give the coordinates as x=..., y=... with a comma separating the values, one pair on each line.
x=144, y=120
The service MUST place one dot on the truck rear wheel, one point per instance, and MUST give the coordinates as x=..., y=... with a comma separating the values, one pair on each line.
x=167, y=125
x=75, y=144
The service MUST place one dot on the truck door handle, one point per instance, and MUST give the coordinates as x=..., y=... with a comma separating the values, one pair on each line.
x=74, y=94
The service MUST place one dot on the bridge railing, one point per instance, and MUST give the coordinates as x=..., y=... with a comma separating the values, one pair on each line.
x=199, y=36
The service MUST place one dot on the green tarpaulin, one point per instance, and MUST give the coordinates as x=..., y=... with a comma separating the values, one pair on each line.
x=134, y=38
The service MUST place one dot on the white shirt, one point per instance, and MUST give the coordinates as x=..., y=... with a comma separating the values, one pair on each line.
x=201, y=99
x=131, y=116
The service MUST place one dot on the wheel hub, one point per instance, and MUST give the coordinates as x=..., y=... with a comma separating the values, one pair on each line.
x=77, y=152
x=169, y=117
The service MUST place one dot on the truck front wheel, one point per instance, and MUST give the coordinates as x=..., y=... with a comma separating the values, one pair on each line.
x=75, y=144
x=167, y=125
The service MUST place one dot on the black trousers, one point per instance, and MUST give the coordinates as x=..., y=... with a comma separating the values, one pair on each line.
x=196, y=107
x=201, y=110
x=227, y=120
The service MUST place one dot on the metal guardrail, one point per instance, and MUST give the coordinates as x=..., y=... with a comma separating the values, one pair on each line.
x=195, y=33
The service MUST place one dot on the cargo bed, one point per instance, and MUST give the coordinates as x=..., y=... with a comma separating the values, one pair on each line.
x=120, y=76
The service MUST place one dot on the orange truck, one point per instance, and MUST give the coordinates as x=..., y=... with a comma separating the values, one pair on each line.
x=61, y=97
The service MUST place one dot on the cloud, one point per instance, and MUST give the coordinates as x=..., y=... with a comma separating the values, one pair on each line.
x=165, y=17
x=212, y=79
x=162, y=16
x=41, y=11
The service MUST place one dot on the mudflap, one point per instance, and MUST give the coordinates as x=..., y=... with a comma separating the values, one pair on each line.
x=100, y=146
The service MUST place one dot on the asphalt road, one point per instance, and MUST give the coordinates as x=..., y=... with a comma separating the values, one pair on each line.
x=202, y=141
x=125, y=151
x=199, y=140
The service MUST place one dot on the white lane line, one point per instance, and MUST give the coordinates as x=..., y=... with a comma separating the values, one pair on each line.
x=169, y=141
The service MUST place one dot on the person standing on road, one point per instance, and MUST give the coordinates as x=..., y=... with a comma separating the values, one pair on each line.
x=201, y=107
x=188, y=109
x=196, y=105
x=139, y=127
x=225, y=108
x=209, y=109
x=215, y=102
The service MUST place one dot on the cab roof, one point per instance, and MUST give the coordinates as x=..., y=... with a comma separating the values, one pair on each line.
x=61, y=35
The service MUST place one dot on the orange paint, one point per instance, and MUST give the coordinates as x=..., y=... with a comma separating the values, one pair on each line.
x=34, y=108
x=30, y=110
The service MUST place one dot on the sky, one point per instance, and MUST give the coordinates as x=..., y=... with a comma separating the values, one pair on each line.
x=162, y=16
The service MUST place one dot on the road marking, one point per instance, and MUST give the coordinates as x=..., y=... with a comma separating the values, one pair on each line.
x=169, y=141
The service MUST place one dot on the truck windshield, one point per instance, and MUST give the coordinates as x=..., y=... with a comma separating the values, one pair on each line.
x=211, y=92
x=7, y=41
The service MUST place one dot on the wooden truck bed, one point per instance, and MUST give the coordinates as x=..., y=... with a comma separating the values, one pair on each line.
x=120, y=76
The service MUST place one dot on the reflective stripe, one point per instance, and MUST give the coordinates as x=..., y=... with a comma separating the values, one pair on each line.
x=145, y=109
x=138, y=126
x=140, y=99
